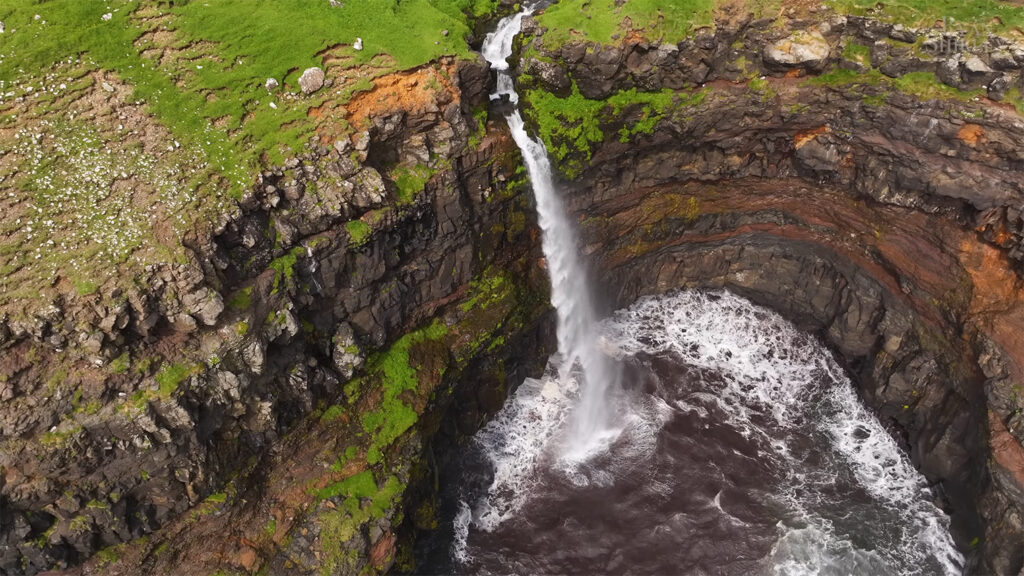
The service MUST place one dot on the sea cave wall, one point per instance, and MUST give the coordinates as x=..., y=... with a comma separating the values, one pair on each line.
x=882, y=217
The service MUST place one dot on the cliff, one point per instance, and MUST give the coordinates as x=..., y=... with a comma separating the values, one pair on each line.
x=268, y=391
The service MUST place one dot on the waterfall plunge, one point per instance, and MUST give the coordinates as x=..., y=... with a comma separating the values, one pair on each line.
x=578, y=346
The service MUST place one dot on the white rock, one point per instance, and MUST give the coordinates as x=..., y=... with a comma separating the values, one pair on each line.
x=2, y=28
x=311, y=80
x=274, y=106
x=975, y=65
x=808, y=49
x=271, y=84
x=358, y=45
x=106, y=17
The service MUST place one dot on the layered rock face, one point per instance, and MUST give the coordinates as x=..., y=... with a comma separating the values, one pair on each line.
x=325, y=264
x=887, y=225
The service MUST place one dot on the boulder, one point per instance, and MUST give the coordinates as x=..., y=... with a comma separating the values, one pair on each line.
x=998, y=88
x=369, y=189
x=801, y=50
x=976, y=70
x=345, y=352
x=1003, y=60
x=311, y=80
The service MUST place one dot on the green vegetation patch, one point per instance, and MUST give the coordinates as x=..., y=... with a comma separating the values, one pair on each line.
x=411, y=181
x=231, y=49
x=241, y=300
x=605, y=21
x=922, y=85
x=926, y=86
x=363, y=502
x=284, y=266
x=858, y=53
x=358, y=232
x=396, y=375
x=570, y=126
x=120, y=364
x=90, y=196
x=977, y=17
x=171, y=375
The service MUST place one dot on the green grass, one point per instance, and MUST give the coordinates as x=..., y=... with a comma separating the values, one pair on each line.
x=198, y=68
x=358, y=232
x=762, y=87
x=922, y=85
x=217, y=498
x=840, y=77
x=332, y=414
x=653, y=107
x=284, y=266
x=274, y=38
x=410, y=181
x=858, y=53
x=570, y=126
x=603, y=21
x=171, y=375
x=340, y=524
x=1013, y=96
x=978, y=17
x=926, y=86
x=396, y=375
x=241, y=300
x=120, y=364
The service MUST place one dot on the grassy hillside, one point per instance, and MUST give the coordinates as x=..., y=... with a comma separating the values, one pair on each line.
x=125, y=122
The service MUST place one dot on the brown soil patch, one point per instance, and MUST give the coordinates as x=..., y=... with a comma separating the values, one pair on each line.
x=971, y=134
x=806, y=136
x=1007, y=452
x=416, y=91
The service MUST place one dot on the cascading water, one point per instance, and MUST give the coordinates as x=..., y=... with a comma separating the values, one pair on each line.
x=736, y=444
x=570, y=295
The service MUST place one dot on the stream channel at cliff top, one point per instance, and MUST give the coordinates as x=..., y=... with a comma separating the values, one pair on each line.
x=691, y=433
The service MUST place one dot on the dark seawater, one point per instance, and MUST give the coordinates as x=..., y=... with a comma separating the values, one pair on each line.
x=739, y=447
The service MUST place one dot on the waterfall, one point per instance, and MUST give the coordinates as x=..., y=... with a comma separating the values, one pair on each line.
x=581, y=356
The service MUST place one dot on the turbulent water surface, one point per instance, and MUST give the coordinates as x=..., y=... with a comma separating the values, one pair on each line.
x=741, y=449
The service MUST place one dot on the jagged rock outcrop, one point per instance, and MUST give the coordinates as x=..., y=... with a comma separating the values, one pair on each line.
x=320, y=266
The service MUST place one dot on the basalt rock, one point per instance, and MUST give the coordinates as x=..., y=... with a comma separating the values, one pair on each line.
x=184, y=383
x=884, y=224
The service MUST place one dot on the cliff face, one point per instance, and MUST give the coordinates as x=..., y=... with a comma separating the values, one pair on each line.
x=270, y=404
x=285, y=385
x=885, y=223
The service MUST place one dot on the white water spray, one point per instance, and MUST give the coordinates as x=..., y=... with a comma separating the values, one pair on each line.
x=570, y=295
